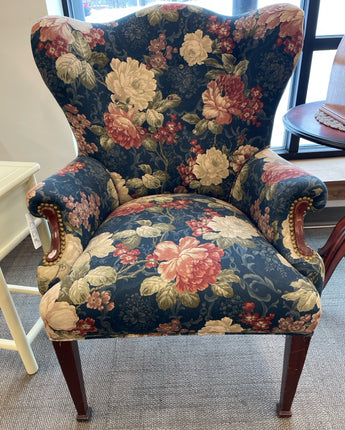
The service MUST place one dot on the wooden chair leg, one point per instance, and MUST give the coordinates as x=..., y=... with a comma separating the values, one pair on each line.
x=296, y=348
x=334, y=249
x=69, y=359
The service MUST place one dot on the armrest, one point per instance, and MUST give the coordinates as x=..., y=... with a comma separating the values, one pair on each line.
x=276, y=195
x=75, y=200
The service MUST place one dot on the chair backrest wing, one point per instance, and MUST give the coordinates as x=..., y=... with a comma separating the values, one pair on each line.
x=173, y=97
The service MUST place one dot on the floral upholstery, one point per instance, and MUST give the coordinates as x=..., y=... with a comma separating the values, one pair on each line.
x=176, y=217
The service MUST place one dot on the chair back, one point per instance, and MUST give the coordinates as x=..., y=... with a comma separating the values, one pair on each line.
x=173, y=98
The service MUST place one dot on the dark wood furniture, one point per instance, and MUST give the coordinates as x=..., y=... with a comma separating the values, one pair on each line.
x=301, y=122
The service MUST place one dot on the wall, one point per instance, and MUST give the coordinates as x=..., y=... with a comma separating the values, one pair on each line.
x=32, y=126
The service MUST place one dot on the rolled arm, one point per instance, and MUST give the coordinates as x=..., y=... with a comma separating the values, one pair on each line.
x=276, y=195
x=75, y=201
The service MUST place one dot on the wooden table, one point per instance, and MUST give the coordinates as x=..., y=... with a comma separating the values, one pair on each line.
x=16, y=179
x=301, y=122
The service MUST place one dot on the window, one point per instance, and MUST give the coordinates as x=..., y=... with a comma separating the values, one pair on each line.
x=310, y=81
x=324, y=28
x=107, y=10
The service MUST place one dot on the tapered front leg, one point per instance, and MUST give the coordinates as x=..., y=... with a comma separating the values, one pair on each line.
x=69, y=359
x=296, y=348
x=334, y=249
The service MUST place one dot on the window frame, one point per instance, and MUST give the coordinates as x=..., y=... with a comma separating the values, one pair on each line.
x=300, y=80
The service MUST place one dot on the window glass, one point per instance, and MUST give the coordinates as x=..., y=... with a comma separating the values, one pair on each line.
x=54, y=7
x=318, y=83
x=107, y=10
x=320, y=73
x=263, y=3
x=277, y=139
x=331, y=18
x=317, y=90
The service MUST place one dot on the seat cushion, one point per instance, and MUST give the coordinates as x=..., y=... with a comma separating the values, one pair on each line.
x=179, y=264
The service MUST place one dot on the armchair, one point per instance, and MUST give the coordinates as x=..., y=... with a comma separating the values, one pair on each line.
x=176, y=217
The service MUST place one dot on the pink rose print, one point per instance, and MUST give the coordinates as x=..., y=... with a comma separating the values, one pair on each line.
x=186, y=171
x=159, y=58
x=292, y=45
x=95, y=37
x=106, y=300
x=199, y=227
x=71, y=168
x=241, y=155
x=225, y=98
x=56, y=48
x=79, y=123
x=290, y=27
x=85, y=326
x=228, y=45
x=121, y=128
x=223, y=33
x=169, y=7
x=262, y=219
x=56, y=35
x=218, y=105
x=98, y=300
x=276, y=172
x=174, y=327
x=290, y=20
x=194, y=266
x=54, y=28
x=180, y=189
x=151, y=261
x=177, y=204
x=305, y=324
x=211, y=212
x=83, y=210
x=127, y=256
x=248, y=306
x=167, y=133
x=251, y=318
x=195, y=147
x=132, y=207
x=158, y=44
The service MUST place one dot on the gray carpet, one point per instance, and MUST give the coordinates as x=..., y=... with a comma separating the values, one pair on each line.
x=176, y=383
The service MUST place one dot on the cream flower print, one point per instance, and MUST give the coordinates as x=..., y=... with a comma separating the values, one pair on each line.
x=73, y=249
x=131, y=83
x=232, y=226
x=61, y=27
x=121, y=188
x=79, y=291
x=57, y=315
x=100, y=246
x=222, y=326
x=195, y=48
x=212, y=167
x=305, y=295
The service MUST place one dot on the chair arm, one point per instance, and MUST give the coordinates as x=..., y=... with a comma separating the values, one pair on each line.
x=75, y=200
x=276, y=195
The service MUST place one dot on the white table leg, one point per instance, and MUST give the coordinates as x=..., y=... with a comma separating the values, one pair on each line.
x=20, y=341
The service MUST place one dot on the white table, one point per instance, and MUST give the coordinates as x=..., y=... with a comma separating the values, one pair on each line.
x=16, y=179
